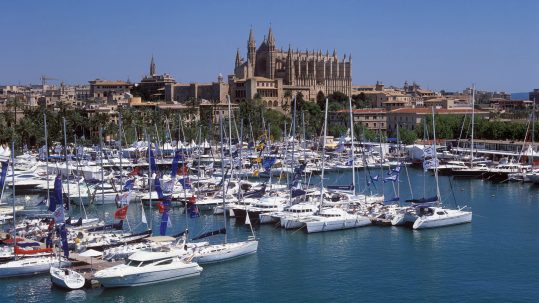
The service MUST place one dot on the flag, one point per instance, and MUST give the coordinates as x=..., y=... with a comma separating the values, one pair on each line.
x=182, y=171
x=429, y=151
x=134, y=172
x=58, y=215
x=164, y=224
x=158, y=188
x=391, y=178
x=121, y=213
x=429, y=164
x=56, y=197
x=247, y=219
x=63, y=237
x=124, y=198
x=256, y=173
x=185, y=182
x=153, y=165
x=3, y=175
x=177, y=158
x=193, y=211
x=168, y=186
x=129, y=184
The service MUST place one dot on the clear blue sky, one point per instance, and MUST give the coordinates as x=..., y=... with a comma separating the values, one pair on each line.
x=439, y=44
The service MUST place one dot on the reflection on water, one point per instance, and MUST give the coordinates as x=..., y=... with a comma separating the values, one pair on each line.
x=488, y=260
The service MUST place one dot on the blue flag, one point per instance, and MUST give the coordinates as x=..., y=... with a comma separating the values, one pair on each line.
x=56, y=197
x=177, y=158
x=153, y=166
x=3, y=175
x=63, y=236
x=185, y=182
x=193, y=211
x=158, y=188
x=164, y=217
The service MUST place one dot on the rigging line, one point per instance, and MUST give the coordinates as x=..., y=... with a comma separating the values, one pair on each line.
x=453, y=192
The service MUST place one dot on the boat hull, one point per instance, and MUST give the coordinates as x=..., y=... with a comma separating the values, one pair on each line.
x=146, y=278
x=321, y=226
x=227, y=252
x=433, y=222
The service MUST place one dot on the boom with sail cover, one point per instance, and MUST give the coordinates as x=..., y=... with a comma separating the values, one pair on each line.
x=221, y=231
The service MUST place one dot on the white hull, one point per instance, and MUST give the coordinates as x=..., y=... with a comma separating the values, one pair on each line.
x=452, y=218
x=291, y=223
x=139, y=278
x=66, y=278
x=224, y=252
x=338, y=224
x=27, y=266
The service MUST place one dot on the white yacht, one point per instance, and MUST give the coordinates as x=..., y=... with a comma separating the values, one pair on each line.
x=334, y=218
x=27, y=266
x=430, y=217
x=223, y=252
x=290, y=217
x=147, y=267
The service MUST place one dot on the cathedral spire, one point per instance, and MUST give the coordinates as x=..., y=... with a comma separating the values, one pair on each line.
x=152, y=67
x=271, y=39
x=238, y=58
x=251, y=42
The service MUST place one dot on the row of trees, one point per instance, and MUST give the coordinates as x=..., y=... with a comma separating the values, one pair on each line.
x=166, y=125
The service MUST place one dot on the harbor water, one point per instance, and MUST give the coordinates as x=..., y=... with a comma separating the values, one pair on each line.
x=493, y=259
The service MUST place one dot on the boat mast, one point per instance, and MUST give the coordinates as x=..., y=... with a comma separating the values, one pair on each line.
x=323, y=156
x=352, y=148
x=121, y=150
x=67, y=161
x=13, y=196
x=293, y=131
x=473, y=119
x=435, y=158
x=223, y=167
x=46, y=152
x=101, y=164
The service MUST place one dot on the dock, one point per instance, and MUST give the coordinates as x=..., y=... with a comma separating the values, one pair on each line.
x=87, y=266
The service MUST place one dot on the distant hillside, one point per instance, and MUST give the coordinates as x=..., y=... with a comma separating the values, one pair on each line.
x=520, y=96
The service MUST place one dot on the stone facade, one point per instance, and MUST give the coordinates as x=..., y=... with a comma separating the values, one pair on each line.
x=153, y=85
x=275, y=75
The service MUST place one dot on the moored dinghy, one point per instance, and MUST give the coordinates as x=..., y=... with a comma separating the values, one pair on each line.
x=66, y=278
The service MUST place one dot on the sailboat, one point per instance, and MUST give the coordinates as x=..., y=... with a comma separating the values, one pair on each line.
x=27, y=265
x=432, y=214
x=331, y=218
x=226, y=251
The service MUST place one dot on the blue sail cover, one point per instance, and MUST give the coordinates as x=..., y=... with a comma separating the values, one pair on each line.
x=158, y=188
x=255, y=193
x=341, y=187
x=3, y=175
x=221, y=231
x=423, y=200
x=56, y=197
x=396, y=199
x=153, y=166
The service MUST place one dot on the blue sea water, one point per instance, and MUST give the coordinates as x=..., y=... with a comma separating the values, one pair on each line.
x=494, y=259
